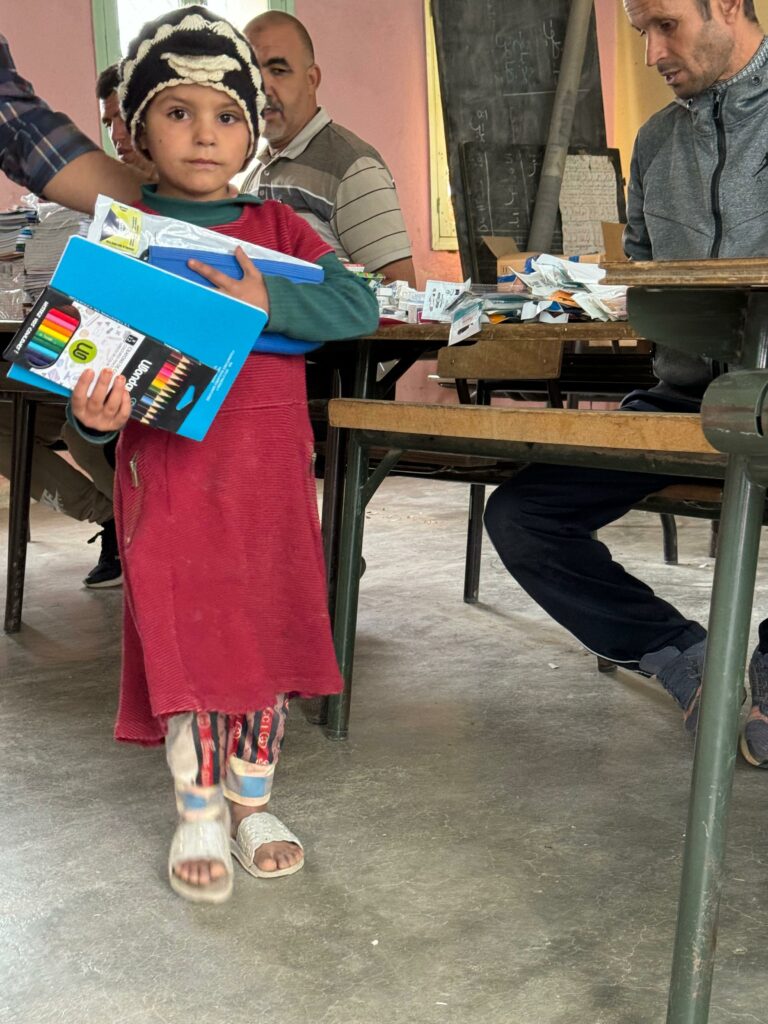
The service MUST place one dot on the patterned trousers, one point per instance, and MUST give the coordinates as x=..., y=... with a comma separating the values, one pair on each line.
x=211, y=754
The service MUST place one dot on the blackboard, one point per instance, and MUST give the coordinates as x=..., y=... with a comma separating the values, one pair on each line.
x=498, y=186
x=498, y=62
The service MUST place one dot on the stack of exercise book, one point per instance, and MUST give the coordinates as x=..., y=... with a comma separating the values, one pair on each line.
x=55, y=226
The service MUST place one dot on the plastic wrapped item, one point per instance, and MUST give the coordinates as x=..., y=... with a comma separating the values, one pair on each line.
x=11, y=290
x=132, y=232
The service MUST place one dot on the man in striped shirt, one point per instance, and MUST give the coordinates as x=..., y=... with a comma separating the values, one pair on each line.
x=337, y=182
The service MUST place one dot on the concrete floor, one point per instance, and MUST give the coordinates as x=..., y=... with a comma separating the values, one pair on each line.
x=498, y=842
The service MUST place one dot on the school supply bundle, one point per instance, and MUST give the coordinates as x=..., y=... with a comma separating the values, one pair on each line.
x=179, y=345
x=133, y=231
x=169, y=244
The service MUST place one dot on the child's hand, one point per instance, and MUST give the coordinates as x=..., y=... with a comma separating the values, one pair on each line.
x=250, y=289
x=104, y=409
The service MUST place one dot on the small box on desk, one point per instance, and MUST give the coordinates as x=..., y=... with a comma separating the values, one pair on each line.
x=179, y=345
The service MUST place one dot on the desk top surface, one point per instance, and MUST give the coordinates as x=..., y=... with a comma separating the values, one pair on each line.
x=438, y=333
x=689, y=273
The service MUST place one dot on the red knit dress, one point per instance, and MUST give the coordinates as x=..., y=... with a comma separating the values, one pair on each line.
x=224, y=582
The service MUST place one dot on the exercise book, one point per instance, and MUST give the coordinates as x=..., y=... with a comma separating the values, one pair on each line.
x=180, y=345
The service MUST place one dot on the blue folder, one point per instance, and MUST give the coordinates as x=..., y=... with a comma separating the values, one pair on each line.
x=214, y=328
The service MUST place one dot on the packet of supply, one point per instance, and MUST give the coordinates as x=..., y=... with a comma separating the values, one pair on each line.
x=132, y=232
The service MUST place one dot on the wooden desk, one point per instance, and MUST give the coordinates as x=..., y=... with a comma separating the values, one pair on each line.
x=355, y=363
x=528, y=356
x=718, y=309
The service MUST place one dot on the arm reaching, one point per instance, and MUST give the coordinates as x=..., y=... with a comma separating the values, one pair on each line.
x=42, y=150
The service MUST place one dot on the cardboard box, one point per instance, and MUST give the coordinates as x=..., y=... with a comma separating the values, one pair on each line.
x=613, y=241
x=509, y=259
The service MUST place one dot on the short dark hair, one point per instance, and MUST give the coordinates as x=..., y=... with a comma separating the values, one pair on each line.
x=107, y=82
x=748, y=6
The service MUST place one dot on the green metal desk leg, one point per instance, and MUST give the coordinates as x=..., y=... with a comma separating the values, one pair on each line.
x=350, y=549
x=348, y=587
x=729, y=623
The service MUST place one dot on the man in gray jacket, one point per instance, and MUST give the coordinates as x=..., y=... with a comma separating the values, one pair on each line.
x=698, y=189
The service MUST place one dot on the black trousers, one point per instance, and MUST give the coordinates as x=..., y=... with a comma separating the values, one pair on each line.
x=541, y=522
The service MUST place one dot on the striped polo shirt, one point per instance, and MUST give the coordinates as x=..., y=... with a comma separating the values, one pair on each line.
x=341, y=186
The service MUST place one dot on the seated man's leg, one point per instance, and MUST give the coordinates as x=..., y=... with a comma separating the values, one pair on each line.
x=55, y=482
x=98, y=462
x=93, y=458
x=541, y=524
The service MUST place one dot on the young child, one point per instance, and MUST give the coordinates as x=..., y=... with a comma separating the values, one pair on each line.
x=225, y=608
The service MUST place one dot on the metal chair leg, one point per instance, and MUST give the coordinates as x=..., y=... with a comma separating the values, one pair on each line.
x=714, y=534
x=669, y=537
x=475, y=521
x=474, y=543
x=604, y=665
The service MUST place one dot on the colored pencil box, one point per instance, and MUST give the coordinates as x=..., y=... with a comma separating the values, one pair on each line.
x=62, y=337
x=170, y=337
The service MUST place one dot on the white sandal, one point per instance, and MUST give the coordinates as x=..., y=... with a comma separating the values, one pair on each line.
x=256, y=830
x=202, y=840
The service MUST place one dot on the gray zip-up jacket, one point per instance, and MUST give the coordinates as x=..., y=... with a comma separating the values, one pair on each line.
x=699, y=189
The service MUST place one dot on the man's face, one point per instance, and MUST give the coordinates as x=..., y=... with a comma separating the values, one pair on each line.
x=691, y=53
x=121, y=139
x=115, y=125
x=290, y=82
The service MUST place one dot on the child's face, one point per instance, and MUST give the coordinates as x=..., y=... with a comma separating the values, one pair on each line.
x=198, y=139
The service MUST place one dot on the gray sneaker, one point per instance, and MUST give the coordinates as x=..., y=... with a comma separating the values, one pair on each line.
x=680, y=672
x=753, y=741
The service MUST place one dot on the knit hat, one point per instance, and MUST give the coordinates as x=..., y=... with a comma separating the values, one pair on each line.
x=190, y=46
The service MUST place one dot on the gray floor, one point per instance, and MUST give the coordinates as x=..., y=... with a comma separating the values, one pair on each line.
x=498, y=842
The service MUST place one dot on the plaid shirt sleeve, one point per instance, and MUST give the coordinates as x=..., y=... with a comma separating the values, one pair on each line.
x=35, y=141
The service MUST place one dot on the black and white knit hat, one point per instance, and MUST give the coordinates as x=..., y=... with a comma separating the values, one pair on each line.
x=190, y=46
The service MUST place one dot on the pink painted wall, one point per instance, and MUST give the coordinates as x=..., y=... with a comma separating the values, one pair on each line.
x=374, y=83
x=54, y=50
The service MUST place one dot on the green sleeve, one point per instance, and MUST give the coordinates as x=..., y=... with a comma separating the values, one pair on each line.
x=341, y=307
x=94, y=436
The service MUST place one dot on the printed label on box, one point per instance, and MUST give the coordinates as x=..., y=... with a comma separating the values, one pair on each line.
x=63, y=336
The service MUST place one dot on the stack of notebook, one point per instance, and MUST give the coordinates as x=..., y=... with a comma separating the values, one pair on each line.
x=55, y=226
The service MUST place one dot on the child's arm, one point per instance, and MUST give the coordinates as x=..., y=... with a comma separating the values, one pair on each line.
x=341, y=307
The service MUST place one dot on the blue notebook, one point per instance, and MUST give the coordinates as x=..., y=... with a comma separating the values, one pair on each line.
x=174, y=260
x=216, y=331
